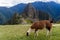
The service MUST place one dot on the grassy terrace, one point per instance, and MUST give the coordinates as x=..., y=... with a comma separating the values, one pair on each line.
x=18, y=32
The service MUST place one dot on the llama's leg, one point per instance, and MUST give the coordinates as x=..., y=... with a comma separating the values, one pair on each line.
x=36, y=32
x=48, y=31
x=28, y=32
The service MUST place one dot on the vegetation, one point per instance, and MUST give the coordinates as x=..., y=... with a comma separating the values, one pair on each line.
x=18, y=32
x=58, y=22
x=29, y=21
x=15, y=18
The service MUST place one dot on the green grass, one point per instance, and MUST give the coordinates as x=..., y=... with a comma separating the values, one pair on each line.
x=18, y=32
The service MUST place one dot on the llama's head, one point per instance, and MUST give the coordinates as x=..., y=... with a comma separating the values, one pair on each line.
x=28, y=32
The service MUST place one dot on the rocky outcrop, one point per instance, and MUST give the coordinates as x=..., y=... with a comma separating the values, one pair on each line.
x=33, y=14
x=29, y=11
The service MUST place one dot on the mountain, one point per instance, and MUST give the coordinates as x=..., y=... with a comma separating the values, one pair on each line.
x=9, y=12
x=5, y=14
x=18, y=8
x=51, y=7
x=31, y=13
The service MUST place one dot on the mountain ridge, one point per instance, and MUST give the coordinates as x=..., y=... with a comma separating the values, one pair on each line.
x=50, y=7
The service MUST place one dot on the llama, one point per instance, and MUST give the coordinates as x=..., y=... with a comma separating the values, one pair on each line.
x=40, y=25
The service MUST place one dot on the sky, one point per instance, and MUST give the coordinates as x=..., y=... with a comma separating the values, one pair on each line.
x=10, y=3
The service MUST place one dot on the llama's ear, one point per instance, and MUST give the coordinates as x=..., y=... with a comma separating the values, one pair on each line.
x=51, y=21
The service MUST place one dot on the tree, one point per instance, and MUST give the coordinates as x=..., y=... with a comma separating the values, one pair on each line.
x=15, y=18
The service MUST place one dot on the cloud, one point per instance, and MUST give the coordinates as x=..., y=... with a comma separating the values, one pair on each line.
x=23, y=1
x=6, y=3
x=9, y=3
